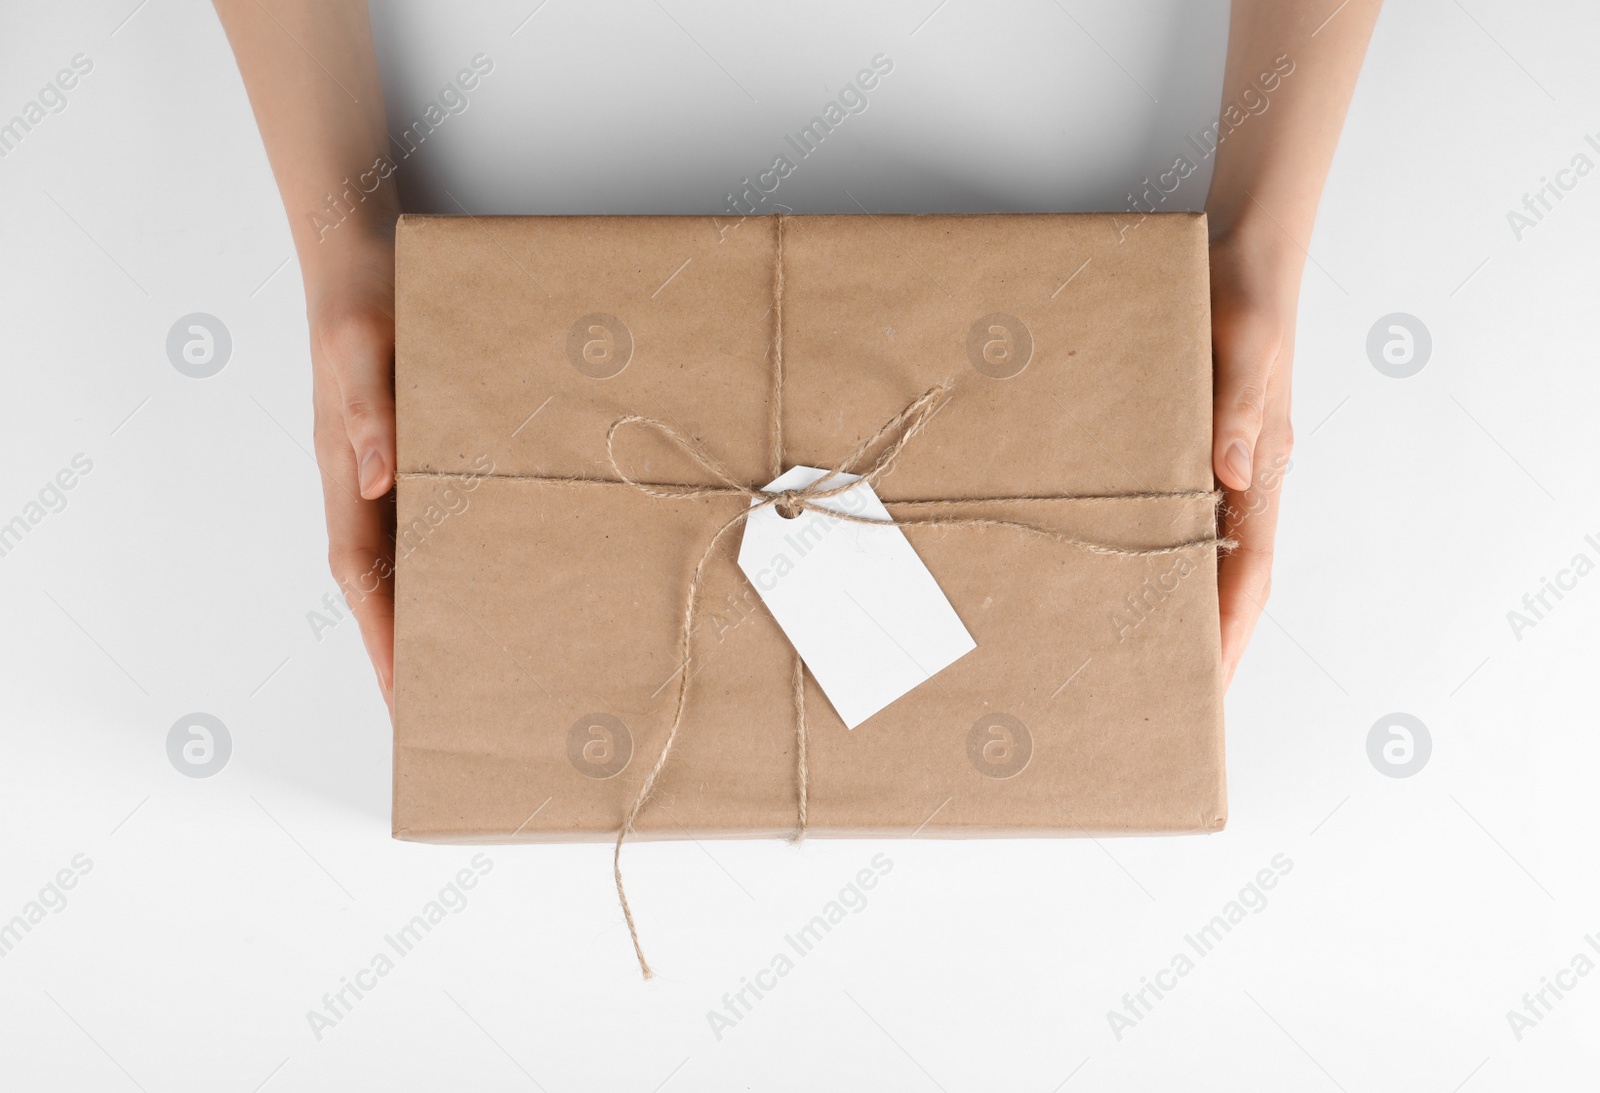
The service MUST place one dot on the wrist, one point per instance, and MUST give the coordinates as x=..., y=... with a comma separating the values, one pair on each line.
x=1256, y=256
x=352, y=263
x=335, y=229
x=1265, y=216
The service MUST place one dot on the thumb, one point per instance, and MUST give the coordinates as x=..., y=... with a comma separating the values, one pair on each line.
x=361, y=352
x=1246, y=348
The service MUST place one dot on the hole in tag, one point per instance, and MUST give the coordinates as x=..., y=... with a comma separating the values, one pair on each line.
x=860, y=608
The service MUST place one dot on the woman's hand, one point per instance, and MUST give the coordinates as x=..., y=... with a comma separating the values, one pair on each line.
x=350, y=307
x=1292, y=66
x=312, y=77
x=1254, y=291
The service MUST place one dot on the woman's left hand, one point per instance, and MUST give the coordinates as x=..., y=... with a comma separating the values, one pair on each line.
x=1254, y=294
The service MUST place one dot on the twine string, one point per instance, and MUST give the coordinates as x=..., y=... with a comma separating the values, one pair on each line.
x=900, y=430
x=894, y=435
x=802, y=775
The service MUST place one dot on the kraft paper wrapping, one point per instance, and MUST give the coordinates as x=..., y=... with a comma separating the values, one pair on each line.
x=537, y=623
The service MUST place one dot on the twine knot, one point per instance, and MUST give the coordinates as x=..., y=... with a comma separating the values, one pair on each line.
x=790, y=503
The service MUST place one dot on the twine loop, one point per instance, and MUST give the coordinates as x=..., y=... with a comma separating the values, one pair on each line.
x=900, y=430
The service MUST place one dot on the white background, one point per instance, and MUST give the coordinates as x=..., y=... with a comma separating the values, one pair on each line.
x=179, y=577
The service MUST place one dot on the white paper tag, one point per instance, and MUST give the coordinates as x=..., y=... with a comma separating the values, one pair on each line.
x=857, y=603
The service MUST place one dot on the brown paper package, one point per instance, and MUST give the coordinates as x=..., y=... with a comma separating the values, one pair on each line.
x=538, y=622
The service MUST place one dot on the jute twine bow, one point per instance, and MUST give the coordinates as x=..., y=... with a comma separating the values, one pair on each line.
x=898, y=431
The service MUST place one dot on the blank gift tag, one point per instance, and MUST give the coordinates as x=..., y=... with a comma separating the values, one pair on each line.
x=857, y=603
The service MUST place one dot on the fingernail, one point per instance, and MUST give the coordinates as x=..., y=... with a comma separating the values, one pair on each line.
x=1238, y=461
x=371, y=472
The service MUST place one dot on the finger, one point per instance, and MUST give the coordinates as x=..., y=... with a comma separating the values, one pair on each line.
x=1244, y=577
x=1248, y=346
x=359, y=551
x=360, y=353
